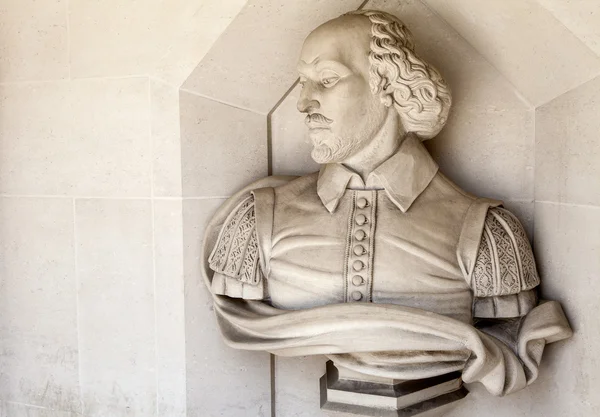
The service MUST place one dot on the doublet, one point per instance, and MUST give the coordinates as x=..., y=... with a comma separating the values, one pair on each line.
x=406, y=236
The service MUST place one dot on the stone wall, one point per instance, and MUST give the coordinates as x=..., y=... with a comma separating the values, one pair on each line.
x=91, y=252
x=121, y=133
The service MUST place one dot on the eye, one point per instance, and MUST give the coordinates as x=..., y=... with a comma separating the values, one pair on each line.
x=330, y=81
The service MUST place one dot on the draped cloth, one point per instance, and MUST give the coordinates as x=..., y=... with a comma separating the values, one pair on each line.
x=386, y=340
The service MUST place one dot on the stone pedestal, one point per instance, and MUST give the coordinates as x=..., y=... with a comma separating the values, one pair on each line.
x=349, y=392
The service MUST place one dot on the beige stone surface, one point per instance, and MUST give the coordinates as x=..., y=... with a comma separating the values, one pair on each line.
x=169, y=308
x=297, y=392
x=111, y=137
x=34, y=41
x=524, y=211
x=582, y=17
x=568, y=247
x=520, y=38
x=116, y=37
x=117, y=340
x=37, y=152
x=192, y=40
x=162, y=39
x=567, y=147
x=250, y=75
x=223, y=147
x=86, y=138
x=38, y=304
x=290, y=143
x=489, y=154
x=220, y=381
x=22, y=410
x=166, y=142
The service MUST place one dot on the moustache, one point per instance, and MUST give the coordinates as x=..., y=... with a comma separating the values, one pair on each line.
x=317, y=119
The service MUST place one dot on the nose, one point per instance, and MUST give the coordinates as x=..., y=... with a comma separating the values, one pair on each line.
x=307, y=102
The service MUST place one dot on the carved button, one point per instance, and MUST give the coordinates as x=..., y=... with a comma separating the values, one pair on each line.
x=359, y=250
x=360, y=235
x=357, y=280
x=361, y=219
x=362, y=202
x=356, y=295
x=358, y=265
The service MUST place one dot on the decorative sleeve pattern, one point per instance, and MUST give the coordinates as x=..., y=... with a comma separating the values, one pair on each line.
x=504, y=264
x=236, y=252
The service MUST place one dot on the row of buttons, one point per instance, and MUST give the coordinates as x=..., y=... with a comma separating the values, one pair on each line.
x=359, y=254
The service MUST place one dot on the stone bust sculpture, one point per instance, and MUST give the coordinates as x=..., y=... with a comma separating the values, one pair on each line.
x=378, y=260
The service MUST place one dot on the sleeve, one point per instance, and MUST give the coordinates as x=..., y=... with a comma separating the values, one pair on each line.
x=235, y=257
x=504, y=275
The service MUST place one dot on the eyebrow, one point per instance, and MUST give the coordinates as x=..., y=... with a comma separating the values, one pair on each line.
x=334, y=64
x=320, y=64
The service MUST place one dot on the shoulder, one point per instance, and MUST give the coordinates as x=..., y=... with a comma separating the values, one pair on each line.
x=504, y=264
x=235, y=253
x=299, y=186
x=233, y=202
x=446, y=189
x=226, y=220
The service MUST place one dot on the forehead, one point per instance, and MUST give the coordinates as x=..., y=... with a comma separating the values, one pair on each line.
x=344, y=40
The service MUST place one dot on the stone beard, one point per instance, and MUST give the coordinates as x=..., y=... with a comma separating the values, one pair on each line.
x=378, y=260
x=330, y=147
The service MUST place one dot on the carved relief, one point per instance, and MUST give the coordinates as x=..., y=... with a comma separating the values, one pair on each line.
x=439, y=285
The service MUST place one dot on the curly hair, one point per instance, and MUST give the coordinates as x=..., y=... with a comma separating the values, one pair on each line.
x=415, y=88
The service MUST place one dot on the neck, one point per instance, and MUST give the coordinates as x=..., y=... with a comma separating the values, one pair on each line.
x=383, y=145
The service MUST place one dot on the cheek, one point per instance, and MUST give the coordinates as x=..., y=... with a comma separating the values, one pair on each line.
x=348, y=99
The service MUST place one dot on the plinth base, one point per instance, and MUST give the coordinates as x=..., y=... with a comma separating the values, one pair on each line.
x=430, y=397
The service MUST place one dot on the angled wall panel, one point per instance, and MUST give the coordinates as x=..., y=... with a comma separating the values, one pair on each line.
x=253, y=63
x=527, y=44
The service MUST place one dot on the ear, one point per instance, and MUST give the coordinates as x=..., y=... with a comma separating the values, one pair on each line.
x=386, y=99
x=384, y=96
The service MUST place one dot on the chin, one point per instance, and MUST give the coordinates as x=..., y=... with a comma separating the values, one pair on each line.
x=325, y=154
x=329, y=148
x=321, y=154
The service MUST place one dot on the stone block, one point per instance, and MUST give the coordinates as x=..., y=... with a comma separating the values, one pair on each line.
x=35, y=138
x=34, y=40
x=291, y=146
x=489, y=154
x=21, y=410
x=580, y=17
x=297, y=390
x=116, y=38
x=117, y=341
x=193, y=39
x=88, y=137
x=541, y=58
x=430, y=397
x=223, y=148
x=38, y=305
x=166, y=140
x=111, y=137
x=567, y=147
x=170, y=310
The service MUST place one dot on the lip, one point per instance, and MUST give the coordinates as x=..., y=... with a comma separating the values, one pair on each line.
x=317, y=127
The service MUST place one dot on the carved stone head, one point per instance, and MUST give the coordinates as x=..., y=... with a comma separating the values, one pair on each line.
x=362, y=79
